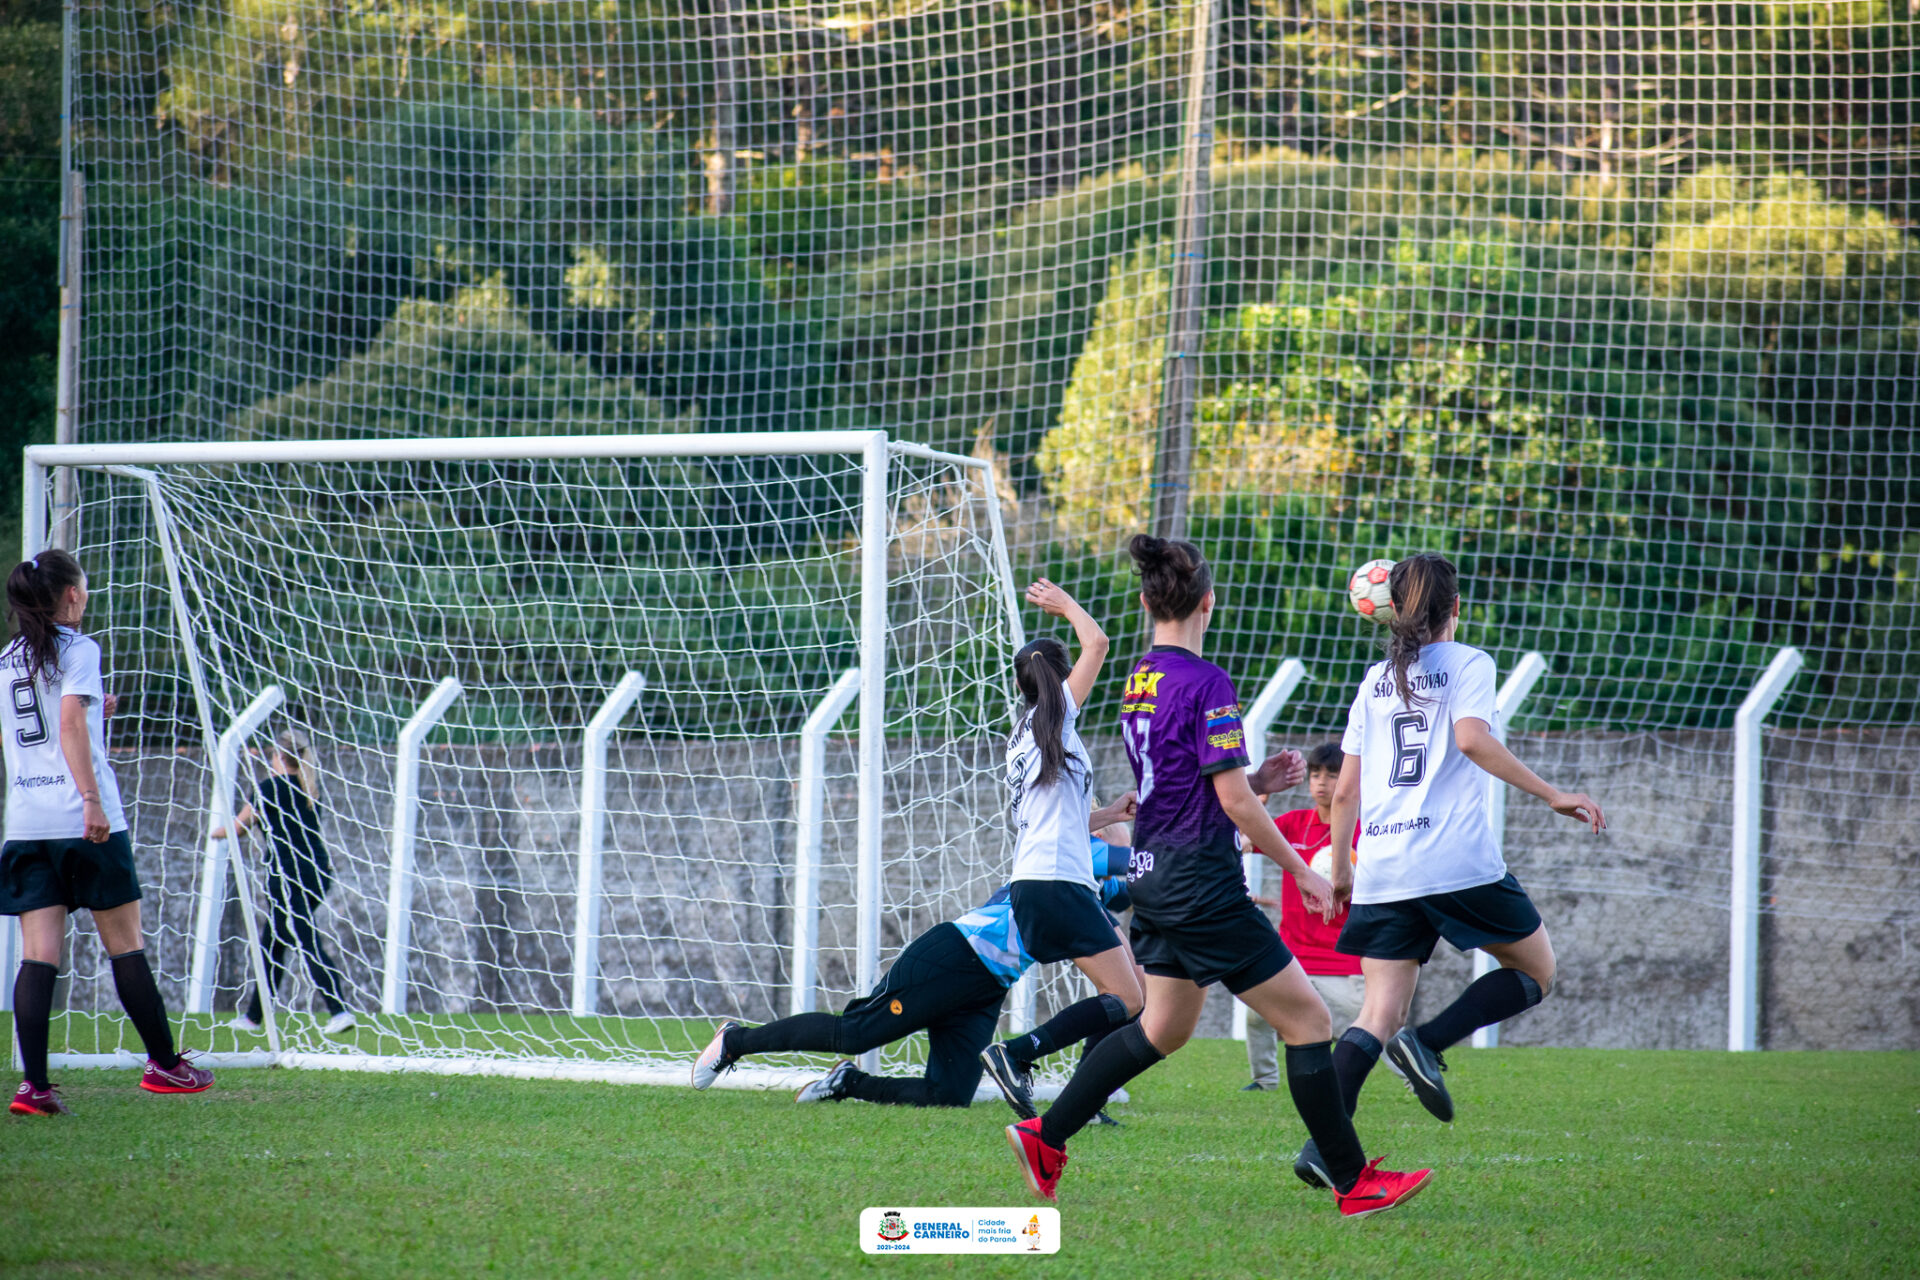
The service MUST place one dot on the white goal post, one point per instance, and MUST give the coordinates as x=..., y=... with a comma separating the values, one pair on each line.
x=600, y=849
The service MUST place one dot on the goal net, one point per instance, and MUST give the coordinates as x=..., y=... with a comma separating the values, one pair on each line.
x=555, y=690
x=1616, y=306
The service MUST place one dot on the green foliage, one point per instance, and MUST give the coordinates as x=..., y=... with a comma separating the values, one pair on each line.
x=29, y=245
x=1385, y=404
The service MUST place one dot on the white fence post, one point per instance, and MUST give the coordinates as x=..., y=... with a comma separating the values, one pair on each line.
x=810, y=815
x=1506, y=705
x=1743, y=948
x=406, y=819
x=1266, y=708
x=875, y=529
x=212, y=901
x=593, y=826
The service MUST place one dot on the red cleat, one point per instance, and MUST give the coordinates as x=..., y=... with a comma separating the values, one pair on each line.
x=1041, y=1163
x=1381, y=1189
x=184, y=1078
x=29, y=1101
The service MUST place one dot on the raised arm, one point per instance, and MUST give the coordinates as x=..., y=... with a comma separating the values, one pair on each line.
x=241, y=821
x=77, y=747
x=1256, y=824
x=1046, y=597
x=1477, y=743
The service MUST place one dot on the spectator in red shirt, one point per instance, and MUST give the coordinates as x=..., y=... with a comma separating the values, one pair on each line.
x=1335, y=976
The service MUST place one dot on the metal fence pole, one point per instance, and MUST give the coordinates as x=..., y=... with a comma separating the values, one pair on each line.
x=593, y=828
x=1743, y=944
x=1185, y=320
x=406, y=820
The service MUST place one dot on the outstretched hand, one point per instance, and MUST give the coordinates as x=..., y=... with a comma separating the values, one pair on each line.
x=1581, y=808
x=1050, y=599
x=1281, y=771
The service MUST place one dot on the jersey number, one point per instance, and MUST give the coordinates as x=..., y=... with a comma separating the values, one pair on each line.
x=26, y=705
x=1135, y=733
x=1409, y=750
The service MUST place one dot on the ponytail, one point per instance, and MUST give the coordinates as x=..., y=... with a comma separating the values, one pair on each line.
x=34, y=591
x=294, y=748
x=1423, y=588
x=1039, y=669
x=1173, y=576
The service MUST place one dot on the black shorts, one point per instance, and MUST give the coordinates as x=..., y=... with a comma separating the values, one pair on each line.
x=71, y=873
x=1060, y=920
x=1468, y=918
x=1237, y=947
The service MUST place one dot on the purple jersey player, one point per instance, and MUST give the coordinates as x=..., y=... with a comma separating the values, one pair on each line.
x=1180, y=720
x=1193, y=923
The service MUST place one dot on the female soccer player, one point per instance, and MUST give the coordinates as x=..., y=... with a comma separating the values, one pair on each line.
x=1422, y=720
x=66, y=835
x=1193, y=923
x=1054, y=892
x=297, y=879
x=950, y=982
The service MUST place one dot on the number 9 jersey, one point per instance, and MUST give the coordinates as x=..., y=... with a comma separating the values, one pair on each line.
x=1423, y=805
x=43, y=801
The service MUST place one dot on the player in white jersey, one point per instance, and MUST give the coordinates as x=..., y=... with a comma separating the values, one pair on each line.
x=66, y=835
x=1055, y=894
x=1419, y=736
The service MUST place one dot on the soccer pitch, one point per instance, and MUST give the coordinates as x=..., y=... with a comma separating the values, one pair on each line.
x=1563, y=1163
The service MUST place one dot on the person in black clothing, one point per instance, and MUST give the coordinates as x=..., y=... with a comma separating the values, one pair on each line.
x=298, y=876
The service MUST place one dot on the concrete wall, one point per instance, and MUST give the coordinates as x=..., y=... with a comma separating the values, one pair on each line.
x=700, y=845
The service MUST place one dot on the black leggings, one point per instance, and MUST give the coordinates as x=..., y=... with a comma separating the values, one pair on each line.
x=294, y=893
x=938, y=985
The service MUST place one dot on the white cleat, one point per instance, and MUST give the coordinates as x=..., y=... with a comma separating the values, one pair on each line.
x=241, y=1022
x=830, y=1087
x=341, y=1021
x=713, y=1059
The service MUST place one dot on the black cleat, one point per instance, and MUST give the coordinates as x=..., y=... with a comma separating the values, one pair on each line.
x=1421, y=1068
x=1015, y=1085
x=1308, y=1167
x=1256, y=1087
x=1101, y=1117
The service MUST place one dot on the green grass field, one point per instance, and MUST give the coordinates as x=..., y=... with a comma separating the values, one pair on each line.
x=1563, y=1163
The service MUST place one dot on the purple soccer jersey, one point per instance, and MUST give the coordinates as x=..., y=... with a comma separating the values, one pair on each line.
x=1180, y=719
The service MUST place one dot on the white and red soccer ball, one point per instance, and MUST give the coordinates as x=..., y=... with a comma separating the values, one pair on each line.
x=1367, y=588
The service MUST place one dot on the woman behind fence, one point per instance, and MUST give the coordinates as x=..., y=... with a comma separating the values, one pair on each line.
x=298, y=876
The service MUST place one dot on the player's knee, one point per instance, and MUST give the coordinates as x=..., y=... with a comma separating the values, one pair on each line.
x=952, y=1093
x=1121, y=1009
x=1537, y=985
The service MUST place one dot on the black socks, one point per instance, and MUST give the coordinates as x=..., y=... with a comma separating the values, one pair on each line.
x=133, y=979
x=1492, y=998
x=1095, y=1015
x=1120, y=1057
x=803, y=1032
x=32, y=1014
x=1354, y=1054
x=1316, y=1096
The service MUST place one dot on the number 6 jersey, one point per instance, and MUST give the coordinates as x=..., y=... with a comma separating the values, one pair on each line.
x=1423, y=805
x=43, y=802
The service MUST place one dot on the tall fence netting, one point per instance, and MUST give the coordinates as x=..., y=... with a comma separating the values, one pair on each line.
x=1618, y=307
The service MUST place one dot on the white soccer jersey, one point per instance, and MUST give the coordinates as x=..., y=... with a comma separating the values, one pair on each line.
x=1050, y=823
x=43, y=801
x=1423, y=805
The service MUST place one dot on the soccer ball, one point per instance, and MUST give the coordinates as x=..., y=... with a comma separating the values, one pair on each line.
x=1367, y=588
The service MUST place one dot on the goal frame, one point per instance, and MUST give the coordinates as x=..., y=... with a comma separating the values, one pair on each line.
x=874, y=449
